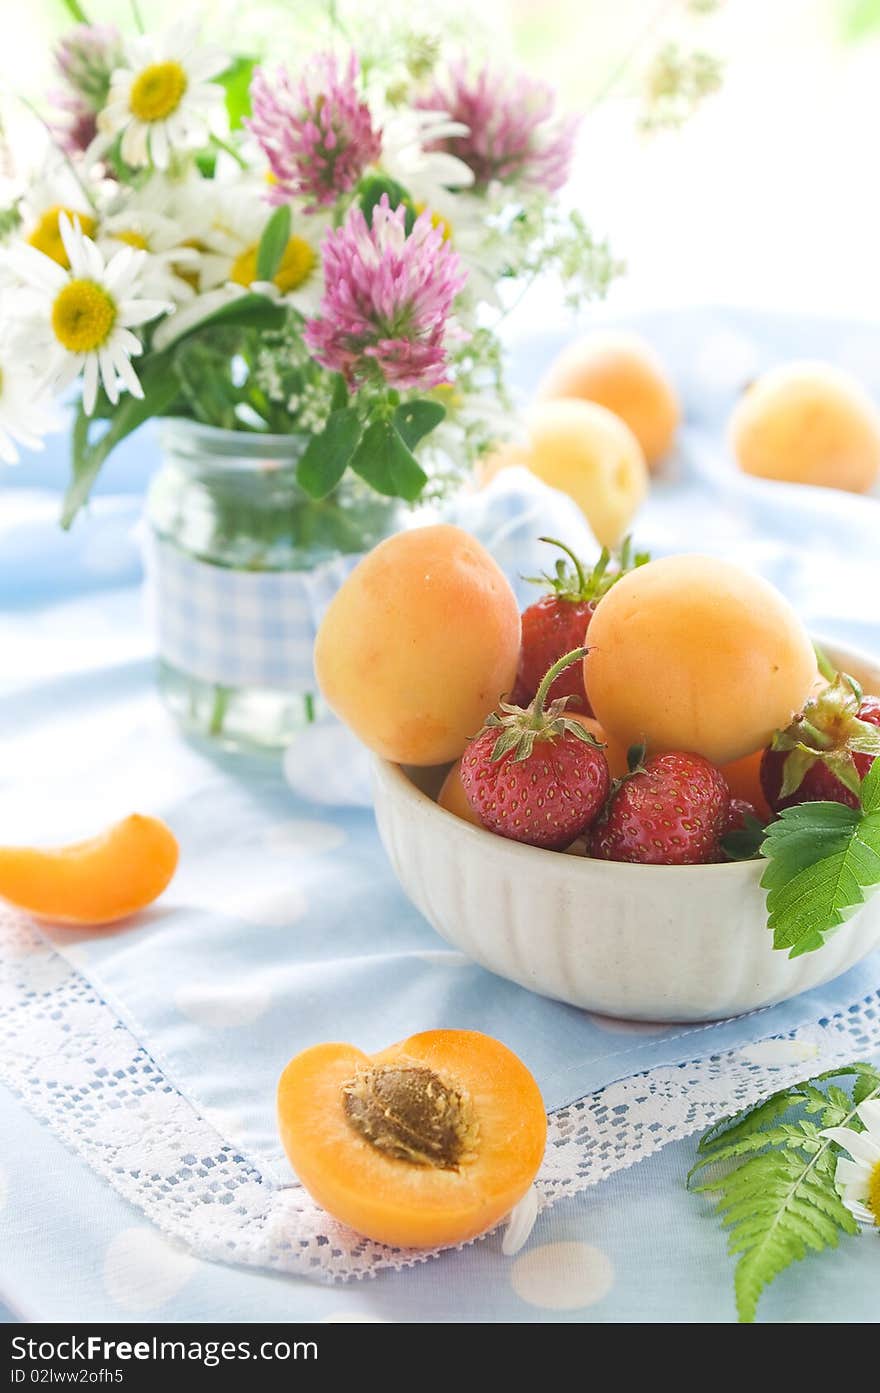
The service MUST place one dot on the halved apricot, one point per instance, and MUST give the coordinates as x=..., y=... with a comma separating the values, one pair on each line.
x=426, y=1144
x=93, y=882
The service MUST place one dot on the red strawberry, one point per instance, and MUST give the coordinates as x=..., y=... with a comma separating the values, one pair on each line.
x=559, y=621
x=826, y=751
x=535, y=775
x=671, y=812
x=740, y=810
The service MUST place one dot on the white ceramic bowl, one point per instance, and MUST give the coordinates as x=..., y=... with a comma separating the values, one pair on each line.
x=658, y=943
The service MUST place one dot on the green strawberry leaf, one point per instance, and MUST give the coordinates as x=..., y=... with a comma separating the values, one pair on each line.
x=823, y=858
x=744, y=843
x=328, y=455
x=870, y=789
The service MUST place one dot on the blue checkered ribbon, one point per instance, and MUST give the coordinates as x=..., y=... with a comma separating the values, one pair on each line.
x=238, y=628
x=257, y=628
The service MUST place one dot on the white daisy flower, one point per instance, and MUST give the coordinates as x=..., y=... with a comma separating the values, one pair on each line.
x=80, y=320
x=463, y=218
x=423, y=172
x=171, y=268
x=858, y=1176
x=229, y=244
x=164, y=100
x=27, y=413
x=232, y=244
x=51, y=192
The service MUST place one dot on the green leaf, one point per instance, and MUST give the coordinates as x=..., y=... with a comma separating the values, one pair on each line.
x=328, y=455
x=236, y=82
x=273, y=243
x=385, y=462
x=340, y=394
x=370, y=193
x=744, y=842
x=859, y=19
x=160, y=390
x=823, y=858
x=779, y=1200
x=416, y=419
x=248, y=311
x=870, y=789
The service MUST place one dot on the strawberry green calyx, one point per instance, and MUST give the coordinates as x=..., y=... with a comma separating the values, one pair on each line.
x=576, y=584
x=520, y=727
x=828, y=730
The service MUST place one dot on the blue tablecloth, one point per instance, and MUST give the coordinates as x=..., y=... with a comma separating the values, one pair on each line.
x=284, y=924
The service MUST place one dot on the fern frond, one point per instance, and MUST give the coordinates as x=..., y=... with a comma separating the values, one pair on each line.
x=778, y=1200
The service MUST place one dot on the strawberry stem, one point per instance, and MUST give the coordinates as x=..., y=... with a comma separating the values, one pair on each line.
x=575, y=561
x=824, y=664
x=537, y=707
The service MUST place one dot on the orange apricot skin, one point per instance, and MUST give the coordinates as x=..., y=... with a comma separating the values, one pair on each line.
x=693, y=653
x=614, y=751
x=623, y=373
x=93, y=882
x=744, y=781
x=808, y=423
x=393, y=1201
x=418, y=644
x=453, y=798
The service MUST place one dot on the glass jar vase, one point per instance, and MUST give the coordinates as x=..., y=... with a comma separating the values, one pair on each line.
x=241, y=563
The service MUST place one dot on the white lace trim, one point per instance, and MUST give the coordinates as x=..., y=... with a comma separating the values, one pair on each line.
x=82, y=1071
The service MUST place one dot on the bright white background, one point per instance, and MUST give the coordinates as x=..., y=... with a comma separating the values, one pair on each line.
x=769, y=196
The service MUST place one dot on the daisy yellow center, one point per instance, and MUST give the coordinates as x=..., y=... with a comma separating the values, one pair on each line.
x=83, y=316
x=294, y=268
x=132, y=239
x=46, y=236
x=437, y=220
x=157, y=91
x=874, y=1193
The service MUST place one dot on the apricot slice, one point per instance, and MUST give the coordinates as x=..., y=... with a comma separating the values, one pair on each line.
x=808, y=423
x=92, y=882
x=453, y=798
x=622, y=372
x=418, y=644
x=428, y=1143
x=693, y=653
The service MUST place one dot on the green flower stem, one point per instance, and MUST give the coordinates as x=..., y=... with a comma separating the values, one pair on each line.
x=219, y=709
x=547, y=681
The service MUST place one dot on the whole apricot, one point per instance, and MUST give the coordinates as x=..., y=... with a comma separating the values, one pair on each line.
x=692, y=653
x=428, y=1143
x=586, y=451
x=622, y=372
x=615, y=753
x=808, y=423
x=418, y=644
x=453, y=798
x=744, y=781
